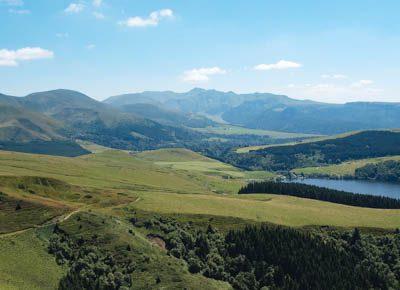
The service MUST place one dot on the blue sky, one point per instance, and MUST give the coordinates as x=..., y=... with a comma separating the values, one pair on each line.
x=334, y=51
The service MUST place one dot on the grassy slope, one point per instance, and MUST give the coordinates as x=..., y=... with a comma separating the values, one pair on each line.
x=113, y=184
x=345, y=168
x=237, y=130
x=284, y=210
x=189, y=161
x=26, y=265
x=308, y=140
x=119, y=179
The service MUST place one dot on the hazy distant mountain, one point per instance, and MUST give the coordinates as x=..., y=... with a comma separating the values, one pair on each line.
x=166, y=116
x=273, y=112
x=20, y=125
x=78, y=116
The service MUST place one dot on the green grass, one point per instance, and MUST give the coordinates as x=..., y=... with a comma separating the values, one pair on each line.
x=189, y=161
x=342, y=169
x=26, y=265
x=30, y=214
x=307, y=139
x=237, y=130
x=109, y=186
x=284, y=210
x=181, y=181
x=218, y=176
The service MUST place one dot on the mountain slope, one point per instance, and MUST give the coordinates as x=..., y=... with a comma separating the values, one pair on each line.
x=81, y=117
x=167, y=117
x=22, y=130
x=355, y=146
x=273, y=112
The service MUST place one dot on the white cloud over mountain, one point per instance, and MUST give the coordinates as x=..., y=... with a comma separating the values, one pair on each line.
x=202, y=74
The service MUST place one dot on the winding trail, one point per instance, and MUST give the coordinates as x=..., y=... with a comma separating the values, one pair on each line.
x=57, y=219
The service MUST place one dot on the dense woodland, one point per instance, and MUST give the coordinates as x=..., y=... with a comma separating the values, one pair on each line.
x=272, y=257
x=362, y=145
x=367, y=144
x=321, y=193
x=89, y=267
x=382, y=171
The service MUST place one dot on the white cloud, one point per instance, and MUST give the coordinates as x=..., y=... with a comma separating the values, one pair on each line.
x=74, y=8
x=19, y=11
x=334, y=76
x=282, y=64
x=12, y=2
x=202, y=74
x=362, y=83
x=90, y=46
x=152, y=20
x=97, y=3
x=334, y=92
x=13, y=57
x=98, y=15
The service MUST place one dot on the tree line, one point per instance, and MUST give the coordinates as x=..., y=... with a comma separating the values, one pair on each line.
x=89, y=267
x=367, y=144
x=383, y=171
x=273, y=257
x=321, y=193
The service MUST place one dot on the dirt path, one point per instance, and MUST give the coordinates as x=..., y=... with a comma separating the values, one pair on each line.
x=57, y=219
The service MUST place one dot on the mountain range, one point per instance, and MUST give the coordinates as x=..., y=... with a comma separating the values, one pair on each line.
x=270, y=111
x=63, y=116
x=149, y=120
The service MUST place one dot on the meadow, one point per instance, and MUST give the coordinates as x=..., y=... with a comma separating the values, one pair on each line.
x=237, y=130
x=97, y=194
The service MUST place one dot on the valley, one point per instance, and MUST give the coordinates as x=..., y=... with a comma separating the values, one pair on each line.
x=156, y=186
x=100, y=192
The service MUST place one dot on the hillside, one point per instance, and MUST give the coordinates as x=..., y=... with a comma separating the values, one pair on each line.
x=143, y=210
x=26, y=131
x=272, y=112
x=316, y=152
x=167, y=117
x=77, y=116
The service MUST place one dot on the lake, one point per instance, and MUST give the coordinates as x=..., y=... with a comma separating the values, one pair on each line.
x=356, y=186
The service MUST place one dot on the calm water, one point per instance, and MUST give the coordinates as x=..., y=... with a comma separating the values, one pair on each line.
x=356, y=186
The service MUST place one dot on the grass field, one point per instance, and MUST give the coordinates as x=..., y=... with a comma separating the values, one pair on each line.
x=26, y=265
x=284, y=210
x=186, y=160
x=342, y=169
x=308, y=139
x=181, y=181
x=237, y=130
x=103, y=190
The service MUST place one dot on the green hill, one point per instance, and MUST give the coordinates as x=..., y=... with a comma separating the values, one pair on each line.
x=108, y=206
x=77, y=116
x=326, y=151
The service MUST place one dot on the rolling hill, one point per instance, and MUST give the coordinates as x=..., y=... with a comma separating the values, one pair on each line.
x=152, y=213
x=69, y=115
x=346, y=147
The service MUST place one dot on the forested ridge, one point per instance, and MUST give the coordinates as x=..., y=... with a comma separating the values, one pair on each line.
x=272, y=257
x=321, y=193
x=383, y=171
x=89, y=266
